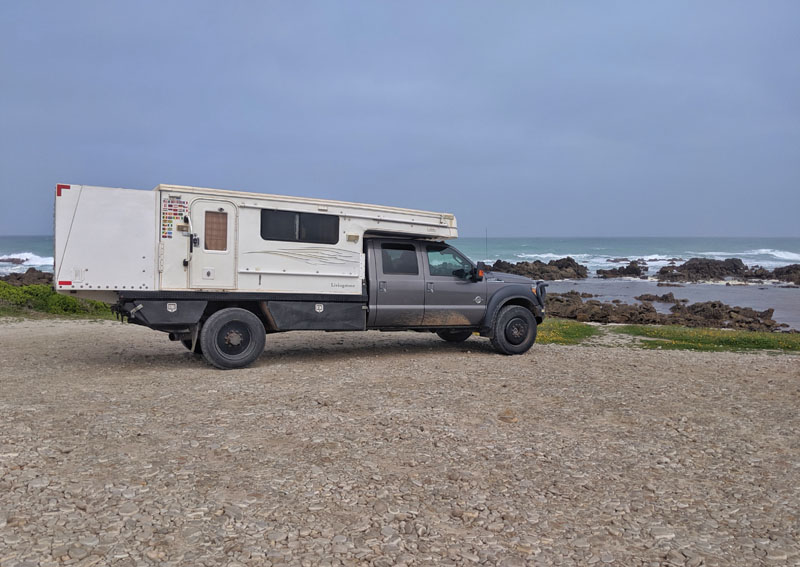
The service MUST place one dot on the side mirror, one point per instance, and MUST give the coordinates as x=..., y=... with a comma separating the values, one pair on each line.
x=479, y=272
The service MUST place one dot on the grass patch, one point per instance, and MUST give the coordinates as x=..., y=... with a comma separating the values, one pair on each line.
x=564, y=332
x=38, y=300
x=687, y=338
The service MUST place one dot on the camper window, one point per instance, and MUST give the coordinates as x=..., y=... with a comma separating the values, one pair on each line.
x=216, y=237
x=290, y=226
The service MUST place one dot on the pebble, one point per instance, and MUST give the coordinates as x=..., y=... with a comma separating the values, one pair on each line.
x=277, y=536
x=128, y=509
x=659, y=533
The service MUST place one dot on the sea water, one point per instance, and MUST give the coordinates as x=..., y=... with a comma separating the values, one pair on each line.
x=605, y=253
x=37, y=251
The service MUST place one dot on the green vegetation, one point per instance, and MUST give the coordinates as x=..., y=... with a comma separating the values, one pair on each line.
x=33, y=300
x=686, y=338
x=564, y=332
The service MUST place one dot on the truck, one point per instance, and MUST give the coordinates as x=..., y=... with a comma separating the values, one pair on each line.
x=220, y=270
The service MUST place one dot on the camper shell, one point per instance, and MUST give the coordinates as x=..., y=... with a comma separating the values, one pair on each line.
x=174, y=258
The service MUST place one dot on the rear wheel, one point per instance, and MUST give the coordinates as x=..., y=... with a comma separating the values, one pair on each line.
x=454, y=335
x=514, y=330
x=232, y=338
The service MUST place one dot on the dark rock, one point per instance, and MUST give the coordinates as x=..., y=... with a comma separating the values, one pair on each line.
x=666, y=298
x=618, y=260
x=790, y=273
x=30, y=277
x=666, y=284
x=698, y=269
x=632, y=270
x=706, y=314
x=561, y=269
x=15, y=261
x=718, y=314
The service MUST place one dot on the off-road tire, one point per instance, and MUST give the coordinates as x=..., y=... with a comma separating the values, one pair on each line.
x=188, y=344
x=232, y=338
x=514, y=330
x=454, y=335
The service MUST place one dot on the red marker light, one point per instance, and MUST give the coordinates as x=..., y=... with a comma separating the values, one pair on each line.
x=59, y=188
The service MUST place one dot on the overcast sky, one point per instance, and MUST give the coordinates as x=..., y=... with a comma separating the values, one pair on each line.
x=524, y=118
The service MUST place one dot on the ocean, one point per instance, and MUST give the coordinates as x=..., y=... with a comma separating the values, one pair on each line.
x=597, y=253
x=592, y=252
x=36, y=250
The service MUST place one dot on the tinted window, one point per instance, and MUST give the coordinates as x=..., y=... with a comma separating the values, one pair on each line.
x=445, y=261
x=318, y=228
x=291, y=226
x=278, y=225
x=399, y=259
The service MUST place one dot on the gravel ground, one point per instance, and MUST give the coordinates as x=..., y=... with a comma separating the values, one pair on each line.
x=118, y=447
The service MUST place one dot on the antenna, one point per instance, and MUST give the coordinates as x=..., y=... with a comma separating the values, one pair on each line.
x=486, y=242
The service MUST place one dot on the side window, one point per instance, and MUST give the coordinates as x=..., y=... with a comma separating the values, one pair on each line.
x=216, y=231
x=399, y=259
x=291, y=226
x=444, y=261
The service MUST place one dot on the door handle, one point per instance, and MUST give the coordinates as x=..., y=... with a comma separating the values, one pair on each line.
x=430, y=286
x=382, y=286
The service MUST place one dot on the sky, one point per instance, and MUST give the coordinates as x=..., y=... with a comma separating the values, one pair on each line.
x=658, y=118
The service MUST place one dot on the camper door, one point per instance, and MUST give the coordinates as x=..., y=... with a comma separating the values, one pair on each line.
x=213, y=258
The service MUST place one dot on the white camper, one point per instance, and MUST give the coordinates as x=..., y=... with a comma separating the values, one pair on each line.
x=218, y=270
x=177, y=238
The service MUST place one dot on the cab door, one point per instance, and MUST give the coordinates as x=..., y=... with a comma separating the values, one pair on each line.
x=212, y=261
x=400, y=293
x=452, y=298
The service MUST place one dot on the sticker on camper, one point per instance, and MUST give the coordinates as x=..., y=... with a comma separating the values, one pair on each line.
x=173, y=209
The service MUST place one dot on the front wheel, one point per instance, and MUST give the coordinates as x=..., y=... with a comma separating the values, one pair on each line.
x=514, y=330
x=232, y=338
x=454, y=335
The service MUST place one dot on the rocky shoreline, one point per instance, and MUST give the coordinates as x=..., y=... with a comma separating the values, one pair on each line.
x=692, y=271
x=30, y=277
x=714, y=314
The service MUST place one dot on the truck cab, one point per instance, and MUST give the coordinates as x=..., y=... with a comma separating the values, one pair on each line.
x=431, y=286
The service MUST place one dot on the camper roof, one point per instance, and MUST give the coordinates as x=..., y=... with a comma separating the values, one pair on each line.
x=293, y=199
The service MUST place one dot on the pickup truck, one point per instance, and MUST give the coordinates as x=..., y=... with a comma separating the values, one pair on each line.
x=220, y=270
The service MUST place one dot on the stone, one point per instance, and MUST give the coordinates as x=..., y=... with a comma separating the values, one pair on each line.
x=662, y=533
x=128, y=509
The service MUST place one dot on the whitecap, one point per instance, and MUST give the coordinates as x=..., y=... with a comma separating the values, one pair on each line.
x=31, y=259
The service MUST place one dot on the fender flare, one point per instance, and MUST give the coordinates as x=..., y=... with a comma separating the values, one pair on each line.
x=514, y=295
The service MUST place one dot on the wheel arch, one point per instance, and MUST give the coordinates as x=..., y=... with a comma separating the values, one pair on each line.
x=257, y=308
x=500, y=300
